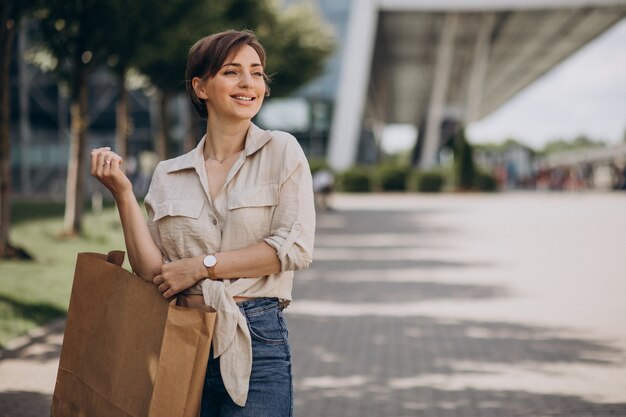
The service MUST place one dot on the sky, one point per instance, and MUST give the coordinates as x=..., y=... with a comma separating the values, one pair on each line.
x=584, y=95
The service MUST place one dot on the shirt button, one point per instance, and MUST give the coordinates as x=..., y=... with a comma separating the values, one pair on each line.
x=214, y=221
x=297, y=226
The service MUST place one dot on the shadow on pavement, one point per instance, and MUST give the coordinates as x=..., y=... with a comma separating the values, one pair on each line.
x=24, y=404
x=369, y=363
x=357, y=222
x=392, y=292
x=396, y=364
x=41, y=347
x=38, y=313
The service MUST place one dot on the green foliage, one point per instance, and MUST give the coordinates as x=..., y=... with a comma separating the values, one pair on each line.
x=427, y=181
x=297, y=47
x=35, y=292
x=74, y=33
x=485, y=181
x=355, y=180
x=581, y=142
x=317, y=164
x=137, y=25
x=174, y=27
x=391, y=177
x=296, y=41
x=464, y=162
x=502, y=147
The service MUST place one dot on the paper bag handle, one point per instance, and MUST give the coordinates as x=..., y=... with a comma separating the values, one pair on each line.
x=116, y=257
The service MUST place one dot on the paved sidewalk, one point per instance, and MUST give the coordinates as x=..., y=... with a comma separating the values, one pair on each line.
x=470, y=305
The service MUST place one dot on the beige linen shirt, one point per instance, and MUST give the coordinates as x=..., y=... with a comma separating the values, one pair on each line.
x=267, y=196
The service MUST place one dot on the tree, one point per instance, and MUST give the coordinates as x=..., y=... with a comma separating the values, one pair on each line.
x=296, y=41
x=163, y=59
x=10, y=13
x=132, y=26
x=464, y=162
x=580, y=142
x=298, y=45
x=75, y=33
x=140, y=31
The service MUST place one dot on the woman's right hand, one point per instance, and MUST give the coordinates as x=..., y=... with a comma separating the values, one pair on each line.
x=106, y=167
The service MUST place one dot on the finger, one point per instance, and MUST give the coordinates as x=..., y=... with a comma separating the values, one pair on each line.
x=106, y=165
x=163, y=287
x=102, y=155
x=96, y=155
x=157, y=280
x=107, y=160
x=116, y=161
x=93, y=158
x=111, y=158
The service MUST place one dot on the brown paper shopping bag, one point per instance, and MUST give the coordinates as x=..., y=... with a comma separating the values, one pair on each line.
x=127, y=351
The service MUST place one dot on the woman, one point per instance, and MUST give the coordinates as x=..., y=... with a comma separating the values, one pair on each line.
x=238, y=209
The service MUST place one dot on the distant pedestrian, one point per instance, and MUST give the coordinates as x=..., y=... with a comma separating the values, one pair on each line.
x=323, y=184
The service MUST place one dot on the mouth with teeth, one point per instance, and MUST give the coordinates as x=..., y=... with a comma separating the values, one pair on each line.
x=243, y=98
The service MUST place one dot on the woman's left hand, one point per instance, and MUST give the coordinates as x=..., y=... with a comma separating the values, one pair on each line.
x=179, y=275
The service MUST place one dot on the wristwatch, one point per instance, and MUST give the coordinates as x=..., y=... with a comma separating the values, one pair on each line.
x=210, y=261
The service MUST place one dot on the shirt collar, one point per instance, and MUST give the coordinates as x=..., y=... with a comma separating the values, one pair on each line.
x=256, y=138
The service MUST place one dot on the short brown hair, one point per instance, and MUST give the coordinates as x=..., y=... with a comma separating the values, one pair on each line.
x=208, y=55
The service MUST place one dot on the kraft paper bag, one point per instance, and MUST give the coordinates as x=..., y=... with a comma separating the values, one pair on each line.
x=127, y=351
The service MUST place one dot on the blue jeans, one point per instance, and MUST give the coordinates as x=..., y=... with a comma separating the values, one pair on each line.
x=271, y=392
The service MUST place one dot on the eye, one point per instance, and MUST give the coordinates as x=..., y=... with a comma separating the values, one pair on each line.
x=230, y=72
x=258, y=74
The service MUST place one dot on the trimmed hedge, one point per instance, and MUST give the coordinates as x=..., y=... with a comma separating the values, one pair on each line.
x=317, y=164
x=484, y=181
x=355, y=180
x=391, y=177
x=398, y=178
x=427, y=181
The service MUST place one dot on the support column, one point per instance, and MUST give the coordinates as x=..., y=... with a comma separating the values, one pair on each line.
x=439, y=91
x=353, y=81
x=478, y=73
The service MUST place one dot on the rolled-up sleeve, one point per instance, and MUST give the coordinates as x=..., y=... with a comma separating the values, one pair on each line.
x=293, y=223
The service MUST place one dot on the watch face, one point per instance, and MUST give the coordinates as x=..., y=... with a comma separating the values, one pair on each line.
x=210, y=261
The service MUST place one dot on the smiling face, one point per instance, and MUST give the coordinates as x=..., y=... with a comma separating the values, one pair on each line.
x=236, y=92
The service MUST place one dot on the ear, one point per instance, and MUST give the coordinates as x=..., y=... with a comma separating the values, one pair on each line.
x=198, y=88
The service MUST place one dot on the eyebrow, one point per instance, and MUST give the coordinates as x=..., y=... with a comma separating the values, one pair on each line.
x=235, y=64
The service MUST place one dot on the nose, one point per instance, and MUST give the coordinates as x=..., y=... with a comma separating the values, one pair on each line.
x=245, y=80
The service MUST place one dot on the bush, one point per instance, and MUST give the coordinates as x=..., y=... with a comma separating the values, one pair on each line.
x=391, y=177
x=317, y=164
x=428, y=181
x=485, y=181
x=355, y=180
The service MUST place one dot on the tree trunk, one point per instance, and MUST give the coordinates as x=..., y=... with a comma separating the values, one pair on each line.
x=76, y=165
x=122, y=130
x=7, y=31
x=162, y=137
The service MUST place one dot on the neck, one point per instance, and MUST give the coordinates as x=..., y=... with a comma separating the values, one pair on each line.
x=224, y=139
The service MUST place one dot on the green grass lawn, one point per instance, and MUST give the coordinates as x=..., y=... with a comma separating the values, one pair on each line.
x=34, y=292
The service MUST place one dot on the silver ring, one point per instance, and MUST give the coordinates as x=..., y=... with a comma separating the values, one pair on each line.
x=107, y=162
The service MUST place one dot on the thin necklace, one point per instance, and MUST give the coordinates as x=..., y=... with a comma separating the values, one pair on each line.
x=221, y=161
